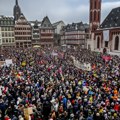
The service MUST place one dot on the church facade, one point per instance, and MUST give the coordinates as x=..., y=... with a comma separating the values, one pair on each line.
x=104, y=36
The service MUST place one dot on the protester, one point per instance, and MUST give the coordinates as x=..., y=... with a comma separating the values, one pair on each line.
x=47, y=81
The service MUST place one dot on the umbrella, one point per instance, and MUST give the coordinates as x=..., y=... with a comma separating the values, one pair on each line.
x=36, y=46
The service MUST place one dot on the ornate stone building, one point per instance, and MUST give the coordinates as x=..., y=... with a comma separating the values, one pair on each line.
x=94, y=21
x=107, y=36
x=75, y=34
x=22, y=32
x=16, y=11
x=46, y=33
x=57, y=37
x=35, y=32
x=104, y=36
x=7, y=38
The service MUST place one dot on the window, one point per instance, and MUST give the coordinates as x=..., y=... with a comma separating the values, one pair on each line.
x=99, y=15
x=106, y=43
x=6, y=40
x=1, y=22
x=116, y=47
x=6, y=34
x=12, y=23
x=8, y=28
x=95, y=5
x=3, y=40
x=4, y=22
x=98, y=42
x=44, y=25
x=91, y=16
x=8, y=23
x=2, y=34
x=9, y=34
x=5, y=28
x=13, y=40
x=9, y=40
x=95, y=15
x=12, y=34
x=44, y=30
x=2, y=28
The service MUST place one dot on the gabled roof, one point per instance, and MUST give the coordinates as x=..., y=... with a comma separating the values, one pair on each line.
x=57, y=23
x=76, y=26
x=6, y=21
x=22, y=19
x=112, y=20
x=46, y=23
x=35, y=23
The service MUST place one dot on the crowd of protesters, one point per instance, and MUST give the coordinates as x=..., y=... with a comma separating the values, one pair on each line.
x=55, y=89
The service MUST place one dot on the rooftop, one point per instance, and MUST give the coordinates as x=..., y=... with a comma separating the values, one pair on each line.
x=112, y=20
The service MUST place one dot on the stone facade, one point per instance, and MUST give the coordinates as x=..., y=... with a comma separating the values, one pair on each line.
x=58, y=27
x=7, y=38
x=95, y=14
x=22, y=32
x=46, y=33
x=75, y=34
x=35, y=32
x=107, y=36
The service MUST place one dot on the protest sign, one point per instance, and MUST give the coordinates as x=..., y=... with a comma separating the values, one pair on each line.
x=8, y=62
x=2, y=63
x=27, y=112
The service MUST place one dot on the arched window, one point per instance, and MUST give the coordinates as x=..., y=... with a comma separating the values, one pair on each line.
x=95, y=5
x=116, y=43
x=91, y=16
x=95, y=15
x=98, y=42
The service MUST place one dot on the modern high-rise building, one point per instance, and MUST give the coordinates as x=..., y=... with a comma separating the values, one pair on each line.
x=16, y=11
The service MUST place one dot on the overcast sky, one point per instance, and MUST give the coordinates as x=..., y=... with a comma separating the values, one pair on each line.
x=67, y=10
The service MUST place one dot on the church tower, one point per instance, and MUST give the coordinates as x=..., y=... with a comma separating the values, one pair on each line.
x=95, y=14
x=16, y=11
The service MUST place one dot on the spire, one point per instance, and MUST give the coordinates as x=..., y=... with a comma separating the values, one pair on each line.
x=16, y=2
x=16, y=10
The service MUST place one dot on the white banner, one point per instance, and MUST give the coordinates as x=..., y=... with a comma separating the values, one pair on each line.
x=8, y=62
x=106, y=35
x=79, y=65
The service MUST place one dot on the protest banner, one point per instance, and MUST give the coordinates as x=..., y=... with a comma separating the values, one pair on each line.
x=106, y=58
x=82, y=66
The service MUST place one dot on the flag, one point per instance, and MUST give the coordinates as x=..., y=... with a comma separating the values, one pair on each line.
x=106, y=58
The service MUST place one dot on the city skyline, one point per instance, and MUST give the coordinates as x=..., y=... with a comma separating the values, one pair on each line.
x=67, y=10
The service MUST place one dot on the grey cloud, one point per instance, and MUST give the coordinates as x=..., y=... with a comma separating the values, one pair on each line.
x=66, y=10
